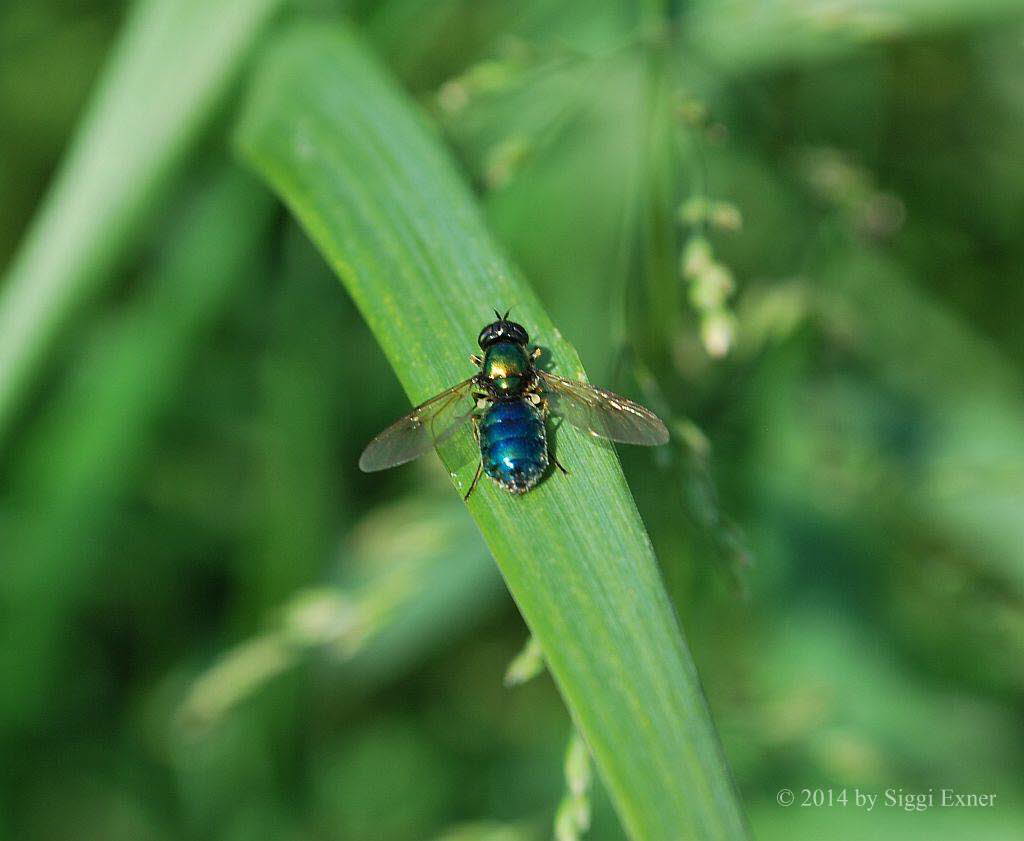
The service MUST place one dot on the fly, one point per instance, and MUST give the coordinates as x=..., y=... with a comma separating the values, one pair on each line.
x=511, y=401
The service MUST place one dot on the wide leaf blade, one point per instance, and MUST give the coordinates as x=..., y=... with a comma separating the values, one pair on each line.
x=375, y=189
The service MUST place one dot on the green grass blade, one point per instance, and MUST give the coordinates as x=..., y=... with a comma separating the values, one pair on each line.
x=373, y=186
x=172, y=64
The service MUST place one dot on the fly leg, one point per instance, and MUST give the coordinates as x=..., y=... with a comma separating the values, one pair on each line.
x=537, y=400
x=480, y=465
x=555, y=461
x=476, y=478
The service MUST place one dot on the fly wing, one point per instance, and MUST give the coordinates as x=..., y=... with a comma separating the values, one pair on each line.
x=429, y=424
x=603, y=413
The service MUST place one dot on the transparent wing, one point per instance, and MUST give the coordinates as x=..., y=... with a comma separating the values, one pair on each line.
x=426, y=426
x=603, y=413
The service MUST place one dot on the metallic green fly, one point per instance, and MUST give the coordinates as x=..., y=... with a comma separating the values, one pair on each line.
x=507, y=403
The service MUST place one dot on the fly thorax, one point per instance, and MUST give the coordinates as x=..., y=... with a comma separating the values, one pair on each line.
x=506, y=365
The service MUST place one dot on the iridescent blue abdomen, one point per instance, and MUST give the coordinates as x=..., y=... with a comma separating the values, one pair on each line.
x=513, y=444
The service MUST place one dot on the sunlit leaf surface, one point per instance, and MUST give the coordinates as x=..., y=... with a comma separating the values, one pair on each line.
x=376, y=192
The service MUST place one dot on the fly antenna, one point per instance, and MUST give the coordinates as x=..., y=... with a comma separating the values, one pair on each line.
x=498, y=314
x=505, y=316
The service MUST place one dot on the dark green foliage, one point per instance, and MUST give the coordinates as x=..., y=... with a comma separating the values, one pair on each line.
x=791, y=228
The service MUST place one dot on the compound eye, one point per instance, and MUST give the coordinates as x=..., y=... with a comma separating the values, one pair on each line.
x=486, y=336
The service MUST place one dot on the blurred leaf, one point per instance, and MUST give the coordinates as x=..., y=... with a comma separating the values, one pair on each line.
x=873, y=726
x=744, y=34
x=170, y=69
x=449, y=575
x=79, y=460
x=298, y=489
x=378, y=195
x=972, y=482
x=418, y=575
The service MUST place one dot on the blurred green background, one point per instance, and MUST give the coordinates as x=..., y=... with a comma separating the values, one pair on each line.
x=792, y=228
